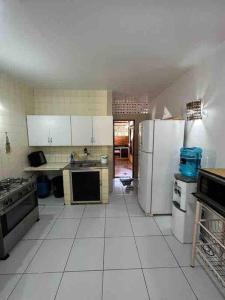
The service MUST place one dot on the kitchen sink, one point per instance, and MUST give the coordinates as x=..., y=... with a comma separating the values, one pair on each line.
x=82, y=164
x=87, y=164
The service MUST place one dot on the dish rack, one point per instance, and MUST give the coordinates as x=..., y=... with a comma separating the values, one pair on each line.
x=209, y=240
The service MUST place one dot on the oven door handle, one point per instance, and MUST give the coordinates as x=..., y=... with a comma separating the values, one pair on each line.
x=4, y=211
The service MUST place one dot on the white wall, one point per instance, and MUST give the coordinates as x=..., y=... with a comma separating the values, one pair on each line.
x=16, y=100
x=205, y=81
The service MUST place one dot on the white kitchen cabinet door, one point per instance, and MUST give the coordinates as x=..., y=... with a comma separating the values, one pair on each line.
x=82, y=130
x=48, y=130
x=38, y=128
x=102, y=130
x=60, y=130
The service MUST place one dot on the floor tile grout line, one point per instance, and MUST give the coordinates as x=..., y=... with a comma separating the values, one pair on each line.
x=103, y=272
x=59, y=216
x=95, y=237
x=207, y=272
x=21, y=275
x=138, y=253
x=81, y=218
x=103, y=258
x=177, y=262
x=30, y=261
x=69, y=255
x=93, y=270
x=42, y=241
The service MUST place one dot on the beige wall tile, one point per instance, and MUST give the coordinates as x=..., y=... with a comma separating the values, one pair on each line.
x=74, y=102
x=16, y=101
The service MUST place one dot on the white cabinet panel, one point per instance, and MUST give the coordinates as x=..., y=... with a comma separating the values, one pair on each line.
x=102, y=130
x=38, y=130
x=82, y=131
x=49, y=130
x=60, y=130
x=66, y=131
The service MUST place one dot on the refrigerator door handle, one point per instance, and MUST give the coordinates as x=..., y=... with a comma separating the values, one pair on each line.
x=177, y=205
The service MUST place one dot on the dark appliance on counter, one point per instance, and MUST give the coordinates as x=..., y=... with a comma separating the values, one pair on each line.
x=18, y=211
x=211, y=189
x=37, y=159
x=86, y=186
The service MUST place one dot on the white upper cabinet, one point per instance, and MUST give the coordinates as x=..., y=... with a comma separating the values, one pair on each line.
x=103, y=130
x=92, y=131
x=60, y=131
x=82, y=130
x=49, y=130
x=67, y=131
x=38, y=130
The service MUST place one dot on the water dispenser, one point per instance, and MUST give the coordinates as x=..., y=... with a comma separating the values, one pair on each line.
x=190, y=161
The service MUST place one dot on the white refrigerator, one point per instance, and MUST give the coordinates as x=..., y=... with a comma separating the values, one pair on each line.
x=159, y=153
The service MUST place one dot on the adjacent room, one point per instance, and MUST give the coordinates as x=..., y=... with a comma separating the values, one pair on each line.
x=112, y=165
x=123, y=148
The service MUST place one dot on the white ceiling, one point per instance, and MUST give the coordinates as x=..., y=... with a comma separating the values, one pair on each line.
x=124, y=45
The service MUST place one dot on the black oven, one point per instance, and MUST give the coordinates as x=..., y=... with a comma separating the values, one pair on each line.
x=16, y=213
x=17, y=219
x=211, y=190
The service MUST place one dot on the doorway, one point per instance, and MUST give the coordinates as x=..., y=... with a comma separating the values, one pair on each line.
x=123, y=148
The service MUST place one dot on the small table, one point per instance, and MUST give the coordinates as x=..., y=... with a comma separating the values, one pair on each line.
x=121, y=151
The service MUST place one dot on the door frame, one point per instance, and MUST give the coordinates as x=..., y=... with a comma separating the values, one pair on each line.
x=122, y=120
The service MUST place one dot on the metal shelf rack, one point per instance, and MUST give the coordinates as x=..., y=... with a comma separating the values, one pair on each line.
x=209, y=240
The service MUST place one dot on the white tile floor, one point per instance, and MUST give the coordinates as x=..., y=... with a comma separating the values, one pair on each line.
x=95, y=252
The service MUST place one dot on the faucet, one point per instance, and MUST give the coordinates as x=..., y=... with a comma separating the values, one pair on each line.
x=72, y=158
x=86, y=153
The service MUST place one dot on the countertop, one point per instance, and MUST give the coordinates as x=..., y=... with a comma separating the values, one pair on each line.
x=187, y=179
x=47, y=167
x=65, y=166
x=216, y=171
x=92, y=165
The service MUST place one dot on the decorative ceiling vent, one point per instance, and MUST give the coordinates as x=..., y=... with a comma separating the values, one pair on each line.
x=194, y=110
x=123, y=104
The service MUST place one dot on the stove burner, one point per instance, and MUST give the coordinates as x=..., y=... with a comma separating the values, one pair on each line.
x=13, y=189
x=13, y=180
x=6, y=185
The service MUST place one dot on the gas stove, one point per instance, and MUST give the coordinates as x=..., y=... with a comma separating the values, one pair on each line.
x=18, y=211
x=13, y=189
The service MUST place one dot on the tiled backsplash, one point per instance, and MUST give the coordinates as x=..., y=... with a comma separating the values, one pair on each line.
x=62, y=154
x=16, y=100
x=72, y=102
